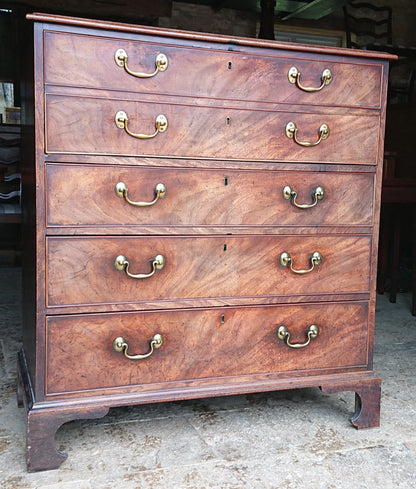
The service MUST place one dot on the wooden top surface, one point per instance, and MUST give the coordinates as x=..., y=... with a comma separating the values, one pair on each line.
x=163, y=32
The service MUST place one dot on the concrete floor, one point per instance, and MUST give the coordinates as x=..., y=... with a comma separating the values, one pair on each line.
x=290, y=439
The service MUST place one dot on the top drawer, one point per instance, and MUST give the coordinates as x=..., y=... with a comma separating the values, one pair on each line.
x=218, y=71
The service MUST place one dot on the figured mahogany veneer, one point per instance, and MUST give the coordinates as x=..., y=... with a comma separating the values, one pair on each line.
x=202, y=267
x=201, y=344
x=202, y=70
x=197, y=197
x=215, y=306
x=87, y=125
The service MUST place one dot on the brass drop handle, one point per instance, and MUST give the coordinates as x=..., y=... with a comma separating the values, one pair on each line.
x=286, y=260
x=121, y=119
x=161, y=62
x=292, y=133
x=122, y=192
x=121, y=345
x=294, y=77
x=284, y=335
x=290, y=194
x=122, y=263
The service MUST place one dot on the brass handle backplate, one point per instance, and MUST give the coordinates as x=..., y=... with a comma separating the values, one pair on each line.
x=292, y=133
x=121, y=345
x=284, y=335
x=121, y=120
x=286, y=261
x=290, y=194
x=294, y=77
x=161, y=63
x=122, y=264
x=122, y=192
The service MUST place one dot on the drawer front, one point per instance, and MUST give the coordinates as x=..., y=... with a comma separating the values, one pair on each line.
x=200, y=344
x=87, y=125
x=82, y=270
x=85, y=195
x=216, y=73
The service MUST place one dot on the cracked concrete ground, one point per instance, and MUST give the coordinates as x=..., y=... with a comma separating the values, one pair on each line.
x=289, y=439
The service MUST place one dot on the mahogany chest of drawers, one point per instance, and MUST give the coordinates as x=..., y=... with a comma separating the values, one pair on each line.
x=205, y=221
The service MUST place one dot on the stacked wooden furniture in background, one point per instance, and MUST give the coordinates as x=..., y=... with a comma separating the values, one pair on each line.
x=207, y=221
x=370, y=27
x=398, y=216
x=10, y=193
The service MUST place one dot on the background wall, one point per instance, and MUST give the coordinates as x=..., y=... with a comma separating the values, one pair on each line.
x=226, y=21
x=191, y=17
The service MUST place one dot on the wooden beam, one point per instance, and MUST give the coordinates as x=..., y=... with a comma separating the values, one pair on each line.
x=218, y=4
x=316, y=9
x=96, y=8
x=267, y=19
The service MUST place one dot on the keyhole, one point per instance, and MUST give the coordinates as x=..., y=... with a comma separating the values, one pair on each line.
x=226, y=181
x=230, y=65
x=222, y=318
x=225, y=246
x=228, y=121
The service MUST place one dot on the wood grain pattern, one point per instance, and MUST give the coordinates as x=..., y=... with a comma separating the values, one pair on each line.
x=197, y=345
x=81, y=195
x=222, y=226
x=86, y=125
x=81, y=270
x=199, y=72
x=367, y=400
x=42, y=424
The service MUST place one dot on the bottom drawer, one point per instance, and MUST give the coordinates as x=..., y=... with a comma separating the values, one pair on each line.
x=201, y=344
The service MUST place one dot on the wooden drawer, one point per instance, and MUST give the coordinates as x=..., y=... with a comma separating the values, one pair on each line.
x=208, y=71
x=85, y=195
x=201, y=344
x=81, y=270
x=87, y=126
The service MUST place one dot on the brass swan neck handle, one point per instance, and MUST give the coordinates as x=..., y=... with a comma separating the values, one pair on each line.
x=284, y=335
x=292, y=133
x=161, y=64
x=123, y=264
x=122, y=192
x=121, y=345
x=121, y=119
x=290, y=194
x=286, y=261
x=294, y=77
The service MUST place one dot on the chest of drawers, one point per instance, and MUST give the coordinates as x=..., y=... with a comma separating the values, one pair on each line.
x=204, y=221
